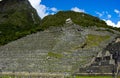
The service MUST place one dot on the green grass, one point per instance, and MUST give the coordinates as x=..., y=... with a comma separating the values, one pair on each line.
x=92, y=77
x=81, y=19
x=95, y=40
x=7, y=77
x=55, y=55
x=78, y=18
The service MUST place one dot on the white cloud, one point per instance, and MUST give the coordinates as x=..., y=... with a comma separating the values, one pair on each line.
x=54, y=9
x=111, y=23
x=76, y=9
x=104, y=14
x=109, y=16
x=35, y=3
x=42, y=9
x=100, y=14
x=117, y=12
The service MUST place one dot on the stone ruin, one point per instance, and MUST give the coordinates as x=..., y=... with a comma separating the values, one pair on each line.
x=106, y=62
x=103, y=63
x=69, y=21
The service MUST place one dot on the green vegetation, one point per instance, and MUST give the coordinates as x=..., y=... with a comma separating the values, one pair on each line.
x=7, y=77
x=95, y=40
x=19, y=23
x=11, y=32
x=81, y=19
x=92, y=77
x=55, y=55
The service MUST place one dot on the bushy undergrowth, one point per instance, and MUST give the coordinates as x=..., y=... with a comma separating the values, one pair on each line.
x=10, y=32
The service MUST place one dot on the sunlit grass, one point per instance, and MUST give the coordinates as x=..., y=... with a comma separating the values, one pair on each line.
x=95, y=40
x=92, y=77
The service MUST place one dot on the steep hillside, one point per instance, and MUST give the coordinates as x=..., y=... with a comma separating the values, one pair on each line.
x=17, y=18
x=79, y=18
x=57, y=49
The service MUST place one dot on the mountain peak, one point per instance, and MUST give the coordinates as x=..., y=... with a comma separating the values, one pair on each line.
x=16, y=17
x=79, y=18
x=18, y=12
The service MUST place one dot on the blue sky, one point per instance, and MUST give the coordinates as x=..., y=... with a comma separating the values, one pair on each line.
x=108, y=10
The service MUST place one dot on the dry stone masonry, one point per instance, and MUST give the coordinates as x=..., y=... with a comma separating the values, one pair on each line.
x=107, y=62
x=57, y=49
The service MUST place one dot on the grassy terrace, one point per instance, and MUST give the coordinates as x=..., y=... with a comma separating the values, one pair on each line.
x=55, y=55
x=95, y=40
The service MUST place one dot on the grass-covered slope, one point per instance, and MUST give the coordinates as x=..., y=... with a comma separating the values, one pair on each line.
x=78, y=18
x=81, y=19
